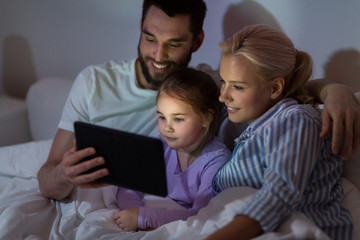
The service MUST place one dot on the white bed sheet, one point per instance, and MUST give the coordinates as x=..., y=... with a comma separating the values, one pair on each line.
x=87, y=214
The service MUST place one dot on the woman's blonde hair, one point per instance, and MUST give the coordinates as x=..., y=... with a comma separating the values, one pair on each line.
x=273, y=55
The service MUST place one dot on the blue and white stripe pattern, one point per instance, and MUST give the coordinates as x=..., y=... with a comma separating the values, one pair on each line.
x=282, y=156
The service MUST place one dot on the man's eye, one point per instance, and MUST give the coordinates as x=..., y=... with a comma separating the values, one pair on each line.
x=175, y=45
x=150, y=39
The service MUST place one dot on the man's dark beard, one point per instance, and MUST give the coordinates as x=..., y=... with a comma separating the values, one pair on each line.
x=158, y=79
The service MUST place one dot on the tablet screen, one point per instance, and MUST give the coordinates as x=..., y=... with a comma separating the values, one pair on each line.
x=134, y=161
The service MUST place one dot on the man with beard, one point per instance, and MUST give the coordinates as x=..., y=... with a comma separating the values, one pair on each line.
x=123, y=95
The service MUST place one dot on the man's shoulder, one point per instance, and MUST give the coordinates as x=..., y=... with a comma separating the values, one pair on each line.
x=122, y=66
x=108, y=71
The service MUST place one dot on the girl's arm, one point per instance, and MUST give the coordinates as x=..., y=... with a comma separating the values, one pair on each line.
x=129, y=202
x=154, y=217
x=127, y=198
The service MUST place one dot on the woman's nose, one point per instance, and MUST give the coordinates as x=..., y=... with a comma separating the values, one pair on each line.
x=224, y=94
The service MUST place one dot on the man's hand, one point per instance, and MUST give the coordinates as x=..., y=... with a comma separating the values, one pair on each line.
x=343, y=110
x=63, y=169
x=74, y=169
x=127, y=219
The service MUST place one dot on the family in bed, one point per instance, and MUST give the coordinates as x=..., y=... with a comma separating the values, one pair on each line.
x=286, y=152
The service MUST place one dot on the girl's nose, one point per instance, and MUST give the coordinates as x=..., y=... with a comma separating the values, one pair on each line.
x=168, y=127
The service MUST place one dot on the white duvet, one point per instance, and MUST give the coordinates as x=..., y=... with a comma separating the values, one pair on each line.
x=87, y=214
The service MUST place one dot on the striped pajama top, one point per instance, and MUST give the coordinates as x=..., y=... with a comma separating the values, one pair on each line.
x=282, y=156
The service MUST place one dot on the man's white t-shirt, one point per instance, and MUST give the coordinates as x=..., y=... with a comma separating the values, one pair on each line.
x=108, y=95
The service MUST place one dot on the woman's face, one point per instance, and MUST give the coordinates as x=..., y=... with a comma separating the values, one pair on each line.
x=178, y=124
x=244, y=93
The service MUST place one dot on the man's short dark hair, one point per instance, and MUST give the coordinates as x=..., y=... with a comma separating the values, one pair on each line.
x=196, y=9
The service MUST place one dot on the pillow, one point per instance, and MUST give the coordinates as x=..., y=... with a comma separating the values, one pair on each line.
x=45, y=101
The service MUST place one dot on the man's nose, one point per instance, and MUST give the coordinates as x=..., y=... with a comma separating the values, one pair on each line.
x=160, y=53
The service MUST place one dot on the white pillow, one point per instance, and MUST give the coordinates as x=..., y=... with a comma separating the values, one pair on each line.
x=45, y=101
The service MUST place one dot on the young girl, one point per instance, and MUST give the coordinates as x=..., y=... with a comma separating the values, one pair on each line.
x=280, y=153
x=189, y=117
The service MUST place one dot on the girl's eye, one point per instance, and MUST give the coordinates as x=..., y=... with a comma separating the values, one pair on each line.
x=179, y=119
x=222, y=82
x=161, y=117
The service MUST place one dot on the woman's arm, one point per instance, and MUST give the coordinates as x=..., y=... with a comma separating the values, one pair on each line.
x=341, y=115
x=280, y=158
x=240, y=228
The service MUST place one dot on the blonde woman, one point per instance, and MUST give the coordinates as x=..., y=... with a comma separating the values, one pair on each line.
x=280, y=153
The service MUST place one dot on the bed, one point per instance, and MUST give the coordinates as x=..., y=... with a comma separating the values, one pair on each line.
x=87, y=213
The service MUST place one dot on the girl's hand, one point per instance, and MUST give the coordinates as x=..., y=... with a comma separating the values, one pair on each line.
x=127, y=219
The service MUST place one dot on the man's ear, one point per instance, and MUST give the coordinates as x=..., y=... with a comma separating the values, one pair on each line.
x=198, y=41
x=277, y=86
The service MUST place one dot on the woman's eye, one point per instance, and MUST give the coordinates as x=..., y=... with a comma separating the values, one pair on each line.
x=238, y=87
x=161, y=117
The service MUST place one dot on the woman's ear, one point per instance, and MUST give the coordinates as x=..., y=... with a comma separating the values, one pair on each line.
x=198, y=41
x=209, y=117
x=277, y=86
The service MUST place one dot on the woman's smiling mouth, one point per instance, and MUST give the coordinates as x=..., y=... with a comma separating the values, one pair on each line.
x=232, y=109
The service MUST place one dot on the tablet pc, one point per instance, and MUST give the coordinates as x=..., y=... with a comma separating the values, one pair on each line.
x=134, y=161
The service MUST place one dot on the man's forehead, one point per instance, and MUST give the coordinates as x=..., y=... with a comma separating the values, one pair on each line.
x=157, y=22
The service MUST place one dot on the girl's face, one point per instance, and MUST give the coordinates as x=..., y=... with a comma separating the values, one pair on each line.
x=245, y=95
x=179, y=125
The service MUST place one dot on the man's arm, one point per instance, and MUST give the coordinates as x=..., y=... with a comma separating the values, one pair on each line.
x=343, y=110
x=62, y=170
